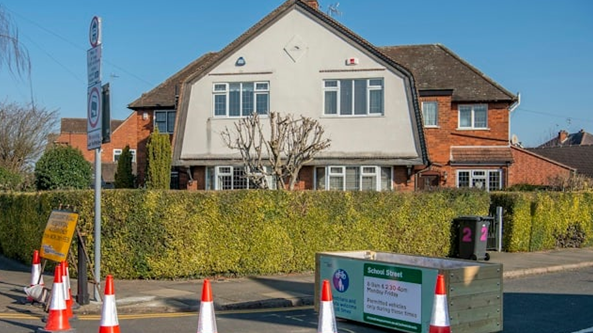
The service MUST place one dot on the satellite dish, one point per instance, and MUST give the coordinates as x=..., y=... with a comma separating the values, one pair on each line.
x=514, y=139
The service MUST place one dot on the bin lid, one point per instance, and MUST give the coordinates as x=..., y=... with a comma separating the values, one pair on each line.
x=473, y=218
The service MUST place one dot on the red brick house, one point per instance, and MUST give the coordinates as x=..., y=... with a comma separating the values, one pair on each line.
x=73, y=132
x=431, y=119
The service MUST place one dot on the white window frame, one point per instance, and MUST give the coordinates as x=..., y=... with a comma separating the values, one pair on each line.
x=118, y=152
x=167, y=124
x=472, y=115
x=214, y=174
x=436, y=114
x=369, y=87
x=480, y=174
x=339, y=171
x=260, y=88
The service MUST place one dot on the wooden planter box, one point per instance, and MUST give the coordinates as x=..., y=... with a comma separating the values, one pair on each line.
x=397, y=291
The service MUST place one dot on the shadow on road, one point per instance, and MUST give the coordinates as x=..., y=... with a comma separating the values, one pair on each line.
x=546, y=313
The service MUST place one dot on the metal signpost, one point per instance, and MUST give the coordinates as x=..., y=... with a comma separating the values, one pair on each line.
x=94, y=132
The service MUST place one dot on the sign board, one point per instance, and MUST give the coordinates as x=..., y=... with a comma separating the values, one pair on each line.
x=94, y=117
x=380, y=293
x=95, y=31
x=58, y=235
x=93, y=60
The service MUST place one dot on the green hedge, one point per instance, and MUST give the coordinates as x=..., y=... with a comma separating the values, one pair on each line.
x=535, y=221
x=172, y=234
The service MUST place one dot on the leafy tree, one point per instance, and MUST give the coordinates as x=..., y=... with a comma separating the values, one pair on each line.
x=24, y=132
x=158, y=161
x=290, y=144
x=124, y=178
x=12, y=53
x=61, y=168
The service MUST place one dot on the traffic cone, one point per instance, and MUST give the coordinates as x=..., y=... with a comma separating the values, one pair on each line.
x=327, y=319
x=109, y=322
x=36, y=276
x=207, y=320
x=66, y=286
x=439, y=321
x=57, y=320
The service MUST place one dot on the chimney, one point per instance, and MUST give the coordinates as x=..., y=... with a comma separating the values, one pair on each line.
x=312, y=3
x=562, y=135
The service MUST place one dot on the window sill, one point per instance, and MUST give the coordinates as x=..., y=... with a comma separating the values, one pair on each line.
x=432, y=126
x=472, y=129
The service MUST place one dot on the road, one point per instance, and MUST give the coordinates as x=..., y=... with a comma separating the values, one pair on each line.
x=551, y=303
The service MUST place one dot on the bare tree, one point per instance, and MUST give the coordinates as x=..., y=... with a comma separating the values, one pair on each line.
x=291, y=144
x=12, y=53
x=24, y=133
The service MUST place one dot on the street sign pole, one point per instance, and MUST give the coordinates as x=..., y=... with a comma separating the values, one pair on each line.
x=94, y=134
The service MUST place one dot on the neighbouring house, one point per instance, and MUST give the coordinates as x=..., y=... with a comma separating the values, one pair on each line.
x=399, y=117
x=73, y=132
x=574, y=150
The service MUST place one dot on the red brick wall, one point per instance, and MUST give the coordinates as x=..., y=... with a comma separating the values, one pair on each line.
x=124, y=135
x=440, y=139
x=529, y=168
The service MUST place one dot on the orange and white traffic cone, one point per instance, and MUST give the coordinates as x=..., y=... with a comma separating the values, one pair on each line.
x=67, y=291
x=207, y=319
x=36, y=275
x=327, y=319
x=109, y=322
x=57, y=320
x=439, y=321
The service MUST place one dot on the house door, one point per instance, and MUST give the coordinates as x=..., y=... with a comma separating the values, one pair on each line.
x=427, y=182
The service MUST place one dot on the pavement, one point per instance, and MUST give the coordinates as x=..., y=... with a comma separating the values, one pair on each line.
x=152, y=296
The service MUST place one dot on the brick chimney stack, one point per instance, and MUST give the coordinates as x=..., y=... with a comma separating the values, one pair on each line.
x=562, y=135
x=312, y=3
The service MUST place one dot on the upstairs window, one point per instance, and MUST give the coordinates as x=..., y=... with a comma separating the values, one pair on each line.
x=165, y=121
x=239, y=99
x=473, y=116
x=350, y=97
x=430, y=112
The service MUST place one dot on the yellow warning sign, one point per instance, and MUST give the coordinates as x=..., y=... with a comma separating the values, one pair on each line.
x=58, y=235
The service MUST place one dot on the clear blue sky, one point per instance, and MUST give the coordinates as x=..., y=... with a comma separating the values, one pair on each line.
x=542, y=49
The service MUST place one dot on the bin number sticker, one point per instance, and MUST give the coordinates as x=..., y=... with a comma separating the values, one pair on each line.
x=467, y=234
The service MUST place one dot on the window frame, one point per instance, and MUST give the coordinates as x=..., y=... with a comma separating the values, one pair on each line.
x=436, y=114
x=323, y=177
x=259, y=89
x=213, y=181
x=339, y=90
x=485, y=175
x=118, y=152
x=472, y=116
x=169, y=126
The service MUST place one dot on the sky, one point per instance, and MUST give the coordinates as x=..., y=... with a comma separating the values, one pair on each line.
x=542, y=49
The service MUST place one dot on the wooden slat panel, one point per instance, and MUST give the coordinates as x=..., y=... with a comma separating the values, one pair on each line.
x=478, y=326
x=473, y=301
x=489, y=312
x=475, y=287
x=469, y=274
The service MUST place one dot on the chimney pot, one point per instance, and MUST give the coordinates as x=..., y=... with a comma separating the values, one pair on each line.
x=562, y=135
x=312, y=3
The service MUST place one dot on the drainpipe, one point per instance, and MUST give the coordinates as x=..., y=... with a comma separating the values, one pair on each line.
x=511, y=110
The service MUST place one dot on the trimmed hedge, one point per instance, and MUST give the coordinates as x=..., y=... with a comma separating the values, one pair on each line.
x=536, y=221
x=172, y=234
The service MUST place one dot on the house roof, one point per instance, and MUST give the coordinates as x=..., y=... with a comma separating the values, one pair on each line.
x=578, y=157
x=79, y=125
x=165, y=95
x=580, y=138
x=481, y=155
x=435, y=67
x=253, y=32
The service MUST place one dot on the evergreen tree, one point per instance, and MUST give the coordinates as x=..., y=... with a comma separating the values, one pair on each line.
x=158, y=161
x=124, y=177
x=62, y=168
